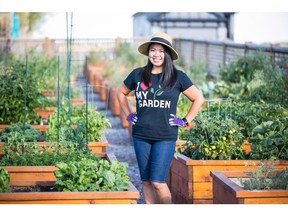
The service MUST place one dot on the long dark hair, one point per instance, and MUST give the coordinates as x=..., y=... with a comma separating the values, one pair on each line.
x=168, y=76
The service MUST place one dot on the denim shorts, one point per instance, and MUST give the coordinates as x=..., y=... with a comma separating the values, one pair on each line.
x=154, y=158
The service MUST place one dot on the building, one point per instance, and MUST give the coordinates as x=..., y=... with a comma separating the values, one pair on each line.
x=190, y=25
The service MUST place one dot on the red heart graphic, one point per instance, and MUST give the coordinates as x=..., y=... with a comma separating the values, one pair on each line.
x=144, y=87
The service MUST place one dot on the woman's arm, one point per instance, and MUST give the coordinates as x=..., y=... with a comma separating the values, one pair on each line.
x=197, y=99
x=122, y=92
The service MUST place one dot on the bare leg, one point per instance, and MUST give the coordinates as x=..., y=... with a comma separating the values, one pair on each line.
x=149, y=193
x=162, y=193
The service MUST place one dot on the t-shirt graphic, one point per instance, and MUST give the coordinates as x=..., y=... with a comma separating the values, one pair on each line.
x=144, y=100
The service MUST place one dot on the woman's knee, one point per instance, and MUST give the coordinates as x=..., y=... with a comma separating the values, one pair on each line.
x=158, y=185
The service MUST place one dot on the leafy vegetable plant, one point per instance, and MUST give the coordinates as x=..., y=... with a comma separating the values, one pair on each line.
x=4, y=180
x=91, y=175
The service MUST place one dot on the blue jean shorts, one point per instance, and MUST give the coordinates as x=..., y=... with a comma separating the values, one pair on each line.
x=154, y=158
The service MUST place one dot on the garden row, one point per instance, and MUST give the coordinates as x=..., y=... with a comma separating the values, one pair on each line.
x=243, y=125
x=58, y=156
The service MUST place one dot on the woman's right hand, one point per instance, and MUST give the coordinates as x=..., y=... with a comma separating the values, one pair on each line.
x=132, y=118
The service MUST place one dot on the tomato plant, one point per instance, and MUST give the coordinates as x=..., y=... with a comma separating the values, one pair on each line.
x=214, y=138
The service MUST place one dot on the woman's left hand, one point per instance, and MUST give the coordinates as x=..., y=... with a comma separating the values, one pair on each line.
x=175, y=121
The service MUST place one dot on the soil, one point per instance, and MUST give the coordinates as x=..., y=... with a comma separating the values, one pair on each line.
x=36, y=188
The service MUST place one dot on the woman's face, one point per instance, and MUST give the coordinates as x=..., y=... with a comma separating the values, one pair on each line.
x=156, y=54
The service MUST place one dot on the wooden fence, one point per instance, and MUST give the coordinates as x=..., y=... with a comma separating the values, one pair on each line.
x=212, y=53
x=215, y=53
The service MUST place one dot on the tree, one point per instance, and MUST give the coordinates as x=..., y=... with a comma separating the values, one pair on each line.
x=29, y=21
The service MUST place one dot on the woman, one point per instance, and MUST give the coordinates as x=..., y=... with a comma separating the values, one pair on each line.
x=155, y=125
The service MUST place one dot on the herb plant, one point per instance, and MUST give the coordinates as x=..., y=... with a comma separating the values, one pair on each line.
x=266, y=178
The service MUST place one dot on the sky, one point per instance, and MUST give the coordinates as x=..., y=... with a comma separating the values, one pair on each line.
x=257, y=27
x=254, y=22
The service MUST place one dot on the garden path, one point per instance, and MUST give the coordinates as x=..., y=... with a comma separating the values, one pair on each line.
x=119, y=142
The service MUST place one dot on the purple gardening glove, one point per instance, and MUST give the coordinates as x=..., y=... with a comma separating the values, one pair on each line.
x=132, y=118
x=174, y=121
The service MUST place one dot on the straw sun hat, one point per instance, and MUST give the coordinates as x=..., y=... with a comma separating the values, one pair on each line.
x=160, y=38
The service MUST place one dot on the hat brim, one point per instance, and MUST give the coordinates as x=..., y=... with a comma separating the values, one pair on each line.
x=143, y=49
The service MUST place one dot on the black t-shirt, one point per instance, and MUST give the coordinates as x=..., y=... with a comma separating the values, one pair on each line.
x=154, y=106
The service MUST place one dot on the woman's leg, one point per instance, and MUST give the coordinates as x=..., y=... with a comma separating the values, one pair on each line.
x=142, y=149
x=154, y=159
x=149, y=194
x=162, y=193
x=161, y=157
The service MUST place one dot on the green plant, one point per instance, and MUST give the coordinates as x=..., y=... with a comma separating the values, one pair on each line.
x=266, y=178
x=247, y=114
x=4, y=180
x=20, y=90
x=97, y=122
x=125, y=60
x=21, y=153
x=253, y=78
x=96, y=57
x=23, y=132
x=215, y=138
x=91, y=175
x=270, y=140
x=244, y=66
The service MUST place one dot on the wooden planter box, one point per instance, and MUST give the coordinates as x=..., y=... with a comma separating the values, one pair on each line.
x=103, y=89
x=227, y=191
x=113, y=103
x=77, y=101
x=190, y=181
x=95, y=147
x=39, y=173
x=45, y=113
x=111, y=197
x=42, y=128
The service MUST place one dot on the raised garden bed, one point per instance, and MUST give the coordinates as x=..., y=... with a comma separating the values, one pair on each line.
x=34, y=179
x=190, y=181
x=227, y=191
